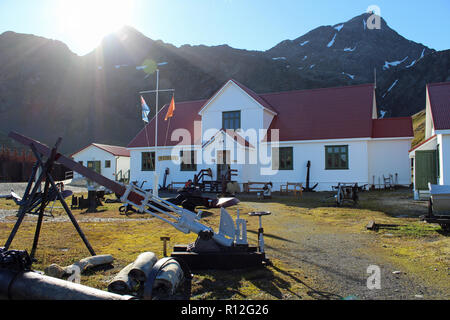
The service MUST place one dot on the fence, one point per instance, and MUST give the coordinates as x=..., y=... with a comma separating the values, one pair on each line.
x=16, y=166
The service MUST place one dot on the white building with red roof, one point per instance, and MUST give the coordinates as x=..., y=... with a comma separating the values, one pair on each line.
x=271, y=137
x=431, y=158
x=113, y=162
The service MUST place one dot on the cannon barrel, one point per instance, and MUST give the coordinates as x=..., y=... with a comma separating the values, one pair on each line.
x=33, y=286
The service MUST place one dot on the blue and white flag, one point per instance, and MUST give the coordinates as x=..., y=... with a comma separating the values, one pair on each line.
x=145, y=110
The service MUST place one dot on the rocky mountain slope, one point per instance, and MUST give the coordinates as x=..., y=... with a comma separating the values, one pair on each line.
x=47, y=91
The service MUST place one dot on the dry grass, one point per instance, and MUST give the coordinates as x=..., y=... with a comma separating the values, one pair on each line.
x=416, y=246
x=418, y=127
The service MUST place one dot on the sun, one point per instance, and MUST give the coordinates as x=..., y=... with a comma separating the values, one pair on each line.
x=86, y=22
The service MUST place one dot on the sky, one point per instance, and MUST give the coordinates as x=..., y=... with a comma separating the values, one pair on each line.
x=242, y=24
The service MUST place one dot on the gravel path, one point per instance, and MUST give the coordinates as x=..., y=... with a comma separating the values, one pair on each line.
x=341, y=261
x=19, y=188
x=4, y=214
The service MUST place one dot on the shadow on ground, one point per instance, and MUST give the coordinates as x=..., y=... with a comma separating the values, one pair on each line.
x=272, y=282
x=395, y=203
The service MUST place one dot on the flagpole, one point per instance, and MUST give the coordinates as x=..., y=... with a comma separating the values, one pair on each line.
x=156, y=177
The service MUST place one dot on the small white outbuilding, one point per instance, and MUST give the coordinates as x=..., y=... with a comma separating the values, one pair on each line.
x=113, y=162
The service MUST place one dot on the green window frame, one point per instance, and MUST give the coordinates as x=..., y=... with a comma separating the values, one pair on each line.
x=188, y=160
x=107, y=163
x=148, y=161
x=95, y=165
x=336, y=157
x=285, y=159
x=231, y=120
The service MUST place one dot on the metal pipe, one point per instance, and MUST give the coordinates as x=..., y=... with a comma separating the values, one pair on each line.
x=33, y=286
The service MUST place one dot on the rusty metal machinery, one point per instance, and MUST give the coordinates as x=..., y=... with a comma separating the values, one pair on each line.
x=19, y=282
x=226, y=249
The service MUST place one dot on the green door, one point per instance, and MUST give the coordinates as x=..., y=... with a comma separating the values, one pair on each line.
x=95, y=165
x=426, y=169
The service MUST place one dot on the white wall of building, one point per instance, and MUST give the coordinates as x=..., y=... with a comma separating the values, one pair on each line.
x=232, y=98
x=175, y=175
x=389, y=156
x=123, y=164
x=315, y=152
x=93, y=153
x=443, y=140
x=367, y=158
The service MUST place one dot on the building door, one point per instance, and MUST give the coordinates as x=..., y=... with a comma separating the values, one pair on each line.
x=95, y=165
x=223, y=163
x=425, y=169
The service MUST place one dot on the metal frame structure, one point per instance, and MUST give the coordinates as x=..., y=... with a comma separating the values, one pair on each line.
x=29, y=201
x=230, y=241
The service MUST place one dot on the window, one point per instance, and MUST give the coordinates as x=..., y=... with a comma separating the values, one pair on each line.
x=336, y=157
x=148, y=161
x=95, y=165
x=188, y=160
x=283, y=158
x=107, y=163
x=231, y=120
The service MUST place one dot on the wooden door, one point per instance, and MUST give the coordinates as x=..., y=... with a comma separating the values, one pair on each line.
x=425, y=169
x=223, y=163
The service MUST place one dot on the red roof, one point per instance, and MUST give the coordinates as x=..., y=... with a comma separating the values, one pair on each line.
x=185, y=115
x=318, y=114
x=114, y=150
x=392, y=128
x=439, y=94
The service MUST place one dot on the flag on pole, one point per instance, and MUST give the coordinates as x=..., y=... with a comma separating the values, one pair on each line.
x=171, y=109
x=145, y=110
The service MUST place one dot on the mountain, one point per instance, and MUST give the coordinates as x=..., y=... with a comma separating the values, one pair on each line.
x=46, y=91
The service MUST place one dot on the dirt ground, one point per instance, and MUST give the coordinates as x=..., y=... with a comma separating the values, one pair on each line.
x=318, y=251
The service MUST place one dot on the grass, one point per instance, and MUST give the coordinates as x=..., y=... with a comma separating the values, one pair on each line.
x=413, y=245
x=419, y=127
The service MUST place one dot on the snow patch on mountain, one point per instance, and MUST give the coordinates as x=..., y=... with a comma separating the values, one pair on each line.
x=279, y=58
x=349, y=49
x=412, y=64
x=351, y=76
x=339, y=27
x=387, y=64
x=304, y=43
x=422, y=55
x=312, y=66
x=306, y=57
x=329, y=45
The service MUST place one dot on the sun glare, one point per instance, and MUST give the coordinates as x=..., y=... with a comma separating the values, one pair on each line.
x=88, y=21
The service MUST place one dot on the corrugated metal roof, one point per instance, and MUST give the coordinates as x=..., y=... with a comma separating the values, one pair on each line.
x=439, y=94
x=329, y=113
x=317, y=114
x=114, y=150
x=393, y=128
